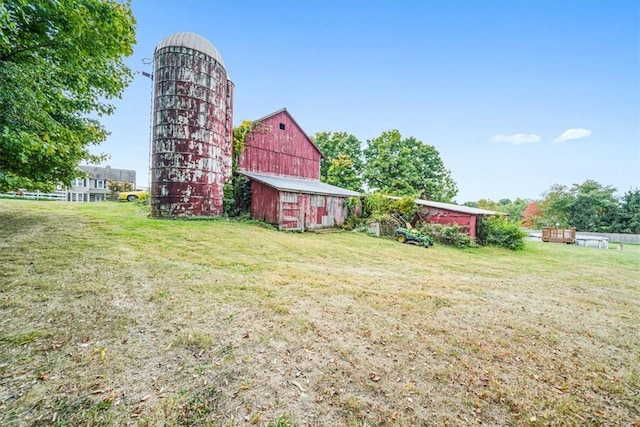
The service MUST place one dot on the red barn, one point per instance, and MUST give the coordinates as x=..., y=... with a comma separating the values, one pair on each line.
x=284, y=167
x=448, y=214
x=279, y=146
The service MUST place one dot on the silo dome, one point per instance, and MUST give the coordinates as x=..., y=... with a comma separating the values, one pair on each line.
x=192, y=128
x=192, y=41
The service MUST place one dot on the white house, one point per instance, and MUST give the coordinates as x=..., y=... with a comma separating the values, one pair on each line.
x=94, y=187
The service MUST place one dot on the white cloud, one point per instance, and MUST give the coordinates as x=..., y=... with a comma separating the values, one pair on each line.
x=517, y=139
x=576, y=133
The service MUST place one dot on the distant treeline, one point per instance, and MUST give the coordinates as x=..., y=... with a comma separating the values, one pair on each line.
x=589, y=206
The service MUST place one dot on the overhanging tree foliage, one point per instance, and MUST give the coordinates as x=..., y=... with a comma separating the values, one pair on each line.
x=342, y=173
x=407, y=167
x=341, y=164
x=61, y=61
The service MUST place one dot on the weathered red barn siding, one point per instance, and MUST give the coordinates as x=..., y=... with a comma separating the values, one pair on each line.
x=447, y=217
x=293, y=208
x=337, y=209
x=265, y=204
x=299, y=211
x=272, y=150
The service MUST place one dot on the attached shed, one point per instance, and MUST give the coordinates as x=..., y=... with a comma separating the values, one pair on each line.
x=448, y=214
x=297, y=204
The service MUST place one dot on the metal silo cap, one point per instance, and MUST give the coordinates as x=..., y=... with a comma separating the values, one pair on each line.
x=192, y=41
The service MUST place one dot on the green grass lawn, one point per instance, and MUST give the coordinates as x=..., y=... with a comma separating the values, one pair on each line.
x=108, y=317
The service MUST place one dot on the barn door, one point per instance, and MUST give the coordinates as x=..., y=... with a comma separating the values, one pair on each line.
x=292, y=215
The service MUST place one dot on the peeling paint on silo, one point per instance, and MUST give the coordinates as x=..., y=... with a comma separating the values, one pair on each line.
x=192, y=128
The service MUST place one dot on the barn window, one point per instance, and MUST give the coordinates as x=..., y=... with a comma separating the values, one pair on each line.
x=282, y=126
x=317, y=201
x=290, y=197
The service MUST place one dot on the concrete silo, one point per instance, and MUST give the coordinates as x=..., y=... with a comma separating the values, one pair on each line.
x=192, y=128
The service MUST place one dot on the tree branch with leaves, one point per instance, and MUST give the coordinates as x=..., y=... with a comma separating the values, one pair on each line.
x=62, y=63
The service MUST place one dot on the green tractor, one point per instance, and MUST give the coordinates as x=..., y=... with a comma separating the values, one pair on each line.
x=409, y=235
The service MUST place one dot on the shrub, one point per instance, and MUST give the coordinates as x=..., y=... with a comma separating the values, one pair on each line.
x=354, y=213
x=405, y=206
x=237, y=196
x=375, y=205
x=351, y=222
x=378, y=207
x=497, y=231
x=448, y=235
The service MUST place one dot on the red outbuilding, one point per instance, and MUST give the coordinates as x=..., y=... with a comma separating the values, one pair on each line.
x=283, y=164
x=448, y=214
x=279, y=146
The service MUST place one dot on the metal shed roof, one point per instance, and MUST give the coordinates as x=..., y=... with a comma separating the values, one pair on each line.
x=192, y=41
x=457, y=208
x=285, y=183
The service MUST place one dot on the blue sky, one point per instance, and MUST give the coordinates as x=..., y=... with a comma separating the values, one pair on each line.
x=515, y=95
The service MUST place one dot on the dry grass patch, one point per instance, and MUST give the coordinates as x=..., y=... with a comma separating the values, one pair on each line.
x=110, y=318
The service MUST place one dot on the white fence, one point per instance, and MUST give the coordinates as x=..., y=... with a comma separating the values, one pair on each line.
x=37, y=195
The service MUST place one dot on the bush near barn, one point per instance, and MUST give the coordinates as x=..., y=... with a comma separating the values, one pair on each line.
x=497, y=231
x=451, y=235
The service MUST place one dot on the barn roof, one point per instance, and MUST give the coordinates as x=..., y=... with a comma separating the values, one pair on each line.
x=457, y=208
x=284, y=110
x=296, y=185
x=192, y=41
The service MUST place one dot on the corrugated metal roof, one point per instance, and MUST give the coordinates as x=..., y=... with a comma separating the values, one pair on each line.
x=457, y=208
x=285, y=183
x=192, y=41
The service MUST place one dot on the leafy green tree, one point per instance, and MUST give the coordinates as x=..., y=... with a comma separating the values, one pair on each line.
x=61, y=63
x=556, y=206
x=589, y=206
x=488, y=204
x=342, y=163
x=515, y=209
x=630, y=212
x=342, y=173
x=512, y=208
x=595, y=207
x=407, y=167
